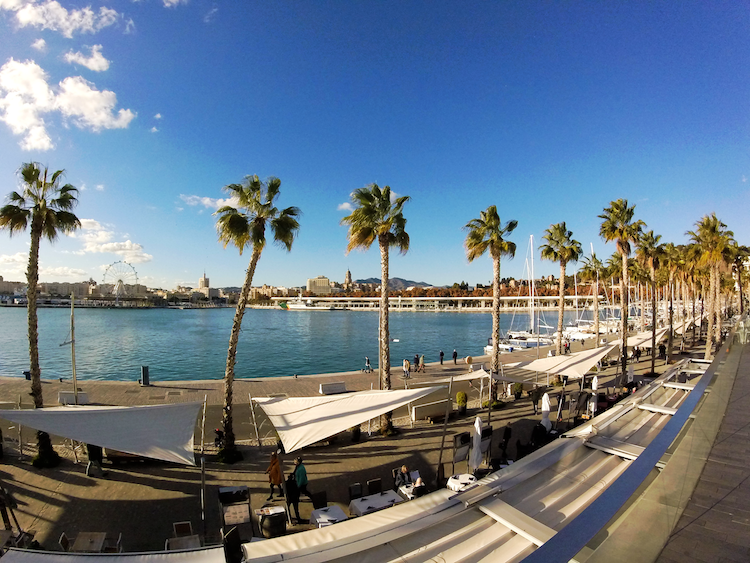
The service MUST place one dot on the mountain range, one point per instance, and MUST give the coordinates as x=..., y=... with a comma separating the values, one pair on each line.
x=396, y=284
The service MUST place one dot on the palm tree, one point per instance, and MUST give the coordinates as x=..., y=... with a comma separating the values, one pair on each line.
x=243, y=226
x=672, y=261
x=377, y=217
x=649, y=253
x=483, y=234
x=713, y=242
x=593, y=269
x=618, y=226
x=562, y=248
x=740, y=255
x=45, y=206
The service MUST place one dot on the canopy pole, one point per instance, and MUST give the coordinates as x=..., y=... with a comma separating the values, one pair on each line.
x=369, y=421
x=255, y=422
x=203, y=465
x=445, y=427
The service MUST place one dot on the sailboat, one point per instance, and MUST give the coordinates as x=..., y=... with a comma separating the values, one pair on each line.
x=72, y=343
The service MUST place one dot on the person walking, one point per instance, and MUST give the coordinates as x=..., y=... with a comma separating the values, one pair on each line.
x=441, y=357
x=274, y=475
x=421, y=364
x=407, y=368
x=96, y=456
x=416, y=362
x=368, y=367
x=455, y=356
x=300, y=475
x=292, y=495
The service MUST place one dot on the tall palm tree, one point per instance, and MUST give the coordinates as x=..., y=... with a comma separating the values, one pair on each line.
x=672, y=262
x=649, y=253
x=714, y=242
x=618, y=226
x=487, y=233
x=44, y=206
x=375, y=216
x=593, y=270
x=740, y=254
x=243, y=226
x=560, y=247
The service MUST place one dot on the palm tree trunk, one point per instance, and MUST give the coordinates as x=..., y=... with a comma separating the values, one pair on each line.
x=643, y=308
x=495, y=361
x=710, y=332
x=624, y=314
x=717, y=304
x=670, y=337
x=653, y=321
x=386, y=420
x=694, y=298
x=561, y=308
x=231, y=454
x=596, y=313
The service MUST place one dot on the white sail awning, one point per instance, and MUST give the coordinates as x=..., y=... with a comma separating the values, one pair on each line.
x=206, y=555
x=572, y=365
x=644, y=338
x=301, y=421
x=162, y=432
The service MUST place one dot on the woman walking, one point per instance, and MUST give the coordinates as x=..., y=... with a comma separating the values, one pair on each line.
x=274, y=475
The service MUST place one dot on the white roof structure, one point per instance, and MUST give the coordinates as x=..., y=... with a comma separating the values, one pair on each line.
x=574, y=365
x=162, y=432
x=206, y=555
x=507, y=515
x=301, y=421
x=644, y=338
x=470, y=376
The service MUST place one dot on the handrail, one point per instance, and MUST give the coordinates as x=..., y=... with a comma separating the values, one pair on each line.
x=575, y=536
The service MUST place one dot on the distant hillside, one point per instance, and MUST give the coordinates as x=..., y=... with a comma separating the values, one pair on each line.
x=396, y=284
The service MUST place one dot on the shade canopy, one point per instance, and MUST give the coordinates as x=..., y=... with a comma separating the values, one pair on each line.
x=470, y=376
x=574, y=365
x=162, y=432
x=301, y=421
x=644, y=338
x=207, y=555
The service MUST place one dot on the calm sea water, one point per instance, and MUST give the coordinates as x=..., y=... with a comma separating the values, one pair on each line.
x=191, y=344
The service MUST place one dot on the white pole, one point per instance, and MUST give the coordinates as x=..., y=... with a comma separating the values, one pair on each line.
x=73, y=349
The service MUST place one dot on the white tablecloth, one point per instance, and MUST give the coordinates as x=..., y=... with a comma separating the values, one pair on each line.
x=407, y=491
x=461, y=481
x=371, y=503
x=330, y=515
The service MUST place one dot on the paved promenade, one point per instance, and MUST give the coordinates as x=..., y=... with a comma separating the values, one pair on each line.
x=142, y=500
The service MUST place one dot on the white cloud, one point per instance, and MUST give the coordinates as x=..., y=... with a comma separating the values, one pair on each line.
x=209, y=17
x=95, y=61
x=346, y=206
x=17, y=258
x=207, y=202
x=154, y=130
x=62, y=272
x=99, y=187
x=744, y=178
x=14, y=264
x=157, y=116
x=40, y=45
x=129, y=26
x=89, y=107
x=172, y=3
x=25, y=97
x=51, y=15
x=98, y=239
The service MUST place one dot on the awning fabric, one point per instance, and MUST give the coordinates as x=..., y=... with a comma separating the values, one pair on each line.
x=162, y=432
x=207, y=555
x=301, y=421
x=644, y=338
x=471, y=376
x=572, y=365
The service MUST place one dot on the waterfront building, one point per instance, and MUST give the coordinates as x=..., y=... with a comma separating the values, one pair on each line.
x=319, y=286
x=348, y=281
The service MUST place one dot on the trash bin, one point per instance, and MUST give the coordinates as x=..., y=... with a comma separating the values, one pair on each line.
x=144, y=377
x=273, y=525
x=27, y=375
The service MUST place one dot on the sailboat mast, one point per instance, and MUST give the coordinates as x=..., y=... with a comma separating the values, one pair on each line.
x=73, y=348
x=531, y=282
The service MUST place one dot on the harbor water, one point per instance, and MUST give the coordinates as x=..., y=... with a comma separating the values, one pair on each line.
x=191, y=344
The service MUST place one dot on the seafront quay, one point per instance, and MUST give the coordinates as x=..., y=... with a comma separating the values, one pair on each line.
x=141, y=500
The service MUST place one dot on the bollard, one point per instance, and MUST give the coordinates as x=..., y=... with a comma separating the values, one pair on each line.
x=144, y=377
x=27, y=374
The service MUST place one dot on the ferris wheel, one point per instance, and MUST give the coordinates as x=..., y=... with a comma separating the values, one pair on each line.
x=122, y=277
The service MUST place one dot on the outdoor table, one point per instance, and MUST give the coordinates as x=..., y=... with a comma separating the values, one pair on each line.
x=184, y=542
x=89, y=542
x=329, y=515
x=407, y=491
x=461, y=481
x=371, y=503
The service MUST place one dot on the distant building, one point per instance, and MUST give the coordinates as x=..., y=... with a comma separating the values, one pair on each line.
x=348, y=284
x=319, y=286
x=204, y=288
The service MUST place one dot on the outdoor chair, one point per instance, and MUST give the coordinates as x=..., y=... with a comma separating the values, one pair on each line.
x=64, y=542
x=182, y=529
x=355, y=491
x=394, y=472
x=374, y=486
x=319, y=500
x=112, y=545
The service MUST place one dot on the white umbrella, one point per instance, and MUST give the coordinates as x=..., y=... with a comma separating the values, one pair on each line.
x=594, y=396
x=475, y=459
x=545, y=412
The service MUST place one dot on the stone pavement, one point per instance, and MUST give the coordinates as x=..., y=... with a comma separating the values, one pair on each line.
x=143, y=499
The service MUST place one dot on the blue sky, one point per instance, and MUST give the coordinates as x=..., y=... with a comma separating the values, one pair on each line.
x=548, y=110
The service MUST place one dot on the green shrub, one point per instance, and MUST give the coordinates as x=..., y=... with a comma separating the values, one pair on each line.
x=461, y=399
x=496, y=405
x=518, y=387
